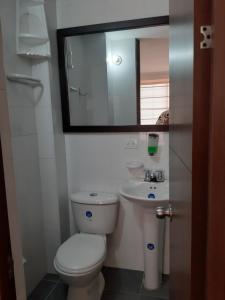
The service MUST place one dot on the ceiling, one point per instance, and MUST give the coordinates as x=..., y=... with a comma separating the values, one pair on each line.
x=154, y=57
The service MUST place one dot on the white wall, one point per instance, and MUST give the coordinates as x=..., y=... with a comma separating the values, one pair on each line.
x=89, y=74
x=154, y=63
x=122, y=82
x=59, y=139
x=97, y=161
x=83, y=12
x=76, y=78
x=38, y=151
x=51, y=148
x=96, y=76
x=47, y=165
x=12, y=205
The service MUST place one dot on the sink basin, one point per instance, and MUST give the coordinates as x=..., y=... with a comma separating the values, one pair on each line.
x=147, y=194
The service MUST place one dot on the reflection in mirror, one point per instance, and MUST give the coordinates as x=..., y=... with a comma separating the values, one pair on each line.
x=118, y=78
x=154, y=83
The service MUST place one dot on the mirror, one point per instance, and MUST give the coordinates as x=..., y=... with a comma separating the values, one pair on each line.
x=114, y=77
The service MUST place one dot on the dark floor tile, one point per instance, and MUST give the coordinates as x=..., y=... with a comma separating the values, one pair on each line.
x=162, y=292
x=107, y=295
x=142, y=297
x=121, y=280
x=51, y=277
x=59, y=293
x=43, y=289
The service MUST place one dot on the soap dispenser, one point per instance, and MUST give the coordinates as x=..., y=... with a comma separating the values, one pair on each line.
x=153, y=140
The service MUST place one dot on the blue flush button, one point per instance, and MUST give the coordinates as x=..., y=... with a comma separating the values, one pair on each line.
x=151, y=246
x=151, y=196
x=88, y=214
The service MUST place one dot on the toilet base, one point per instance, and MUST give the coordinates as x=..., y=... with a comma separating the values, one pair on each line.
x=91, y=292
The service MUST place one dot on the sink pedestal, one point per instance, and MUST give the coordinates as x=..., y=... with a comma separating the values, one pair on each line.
x=153, y=249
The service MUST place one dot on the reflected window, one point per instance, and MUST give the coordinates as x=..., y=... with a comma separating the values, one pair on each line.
x=154, y=101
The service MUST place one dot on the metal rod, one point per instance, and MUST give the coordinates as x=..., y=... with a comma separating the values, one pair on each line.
x=24, y=79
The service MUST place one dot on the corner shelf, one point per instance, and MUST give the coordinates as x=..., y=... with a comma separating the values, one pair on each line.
x=33, y=2
x=32, y=33
x=34, y=55
x=32, y=39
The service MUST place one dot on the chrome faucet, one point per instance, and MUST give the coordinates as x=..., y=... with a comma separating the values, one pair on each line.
x=149, y=175
x=155, y=176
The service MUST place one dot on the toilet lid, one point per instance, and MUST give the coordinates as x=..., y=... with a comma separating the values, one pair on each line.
x=80, y=253
x=94, y=198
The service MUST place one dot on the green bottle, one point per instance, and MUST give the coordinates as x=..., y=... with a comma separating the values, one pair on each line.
x=153, y=140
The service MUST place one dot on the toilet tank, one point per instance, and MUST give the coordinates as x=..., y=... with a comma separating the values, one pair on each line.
x=95, y=212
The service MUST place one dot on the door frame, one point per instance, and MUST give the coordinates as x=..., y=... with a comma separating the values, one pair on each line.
x=200, y=154
x=208, y=238
x=215, y=263
x=192, y=209
x=7, y=282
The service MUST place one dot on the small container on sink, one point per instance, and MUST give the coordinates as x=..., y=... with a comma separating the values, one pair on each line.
x=136, y=169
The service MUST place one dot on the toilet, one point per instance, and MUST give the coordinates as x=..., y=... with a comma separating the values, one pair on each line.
x=79, y=259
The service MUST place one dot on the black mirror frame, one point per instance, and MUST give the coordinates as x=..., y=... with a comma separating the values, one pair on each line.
x=105, y=27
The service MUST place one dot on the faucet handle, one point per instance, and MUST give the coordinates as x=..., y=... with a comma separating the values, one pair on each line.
x=160, y=176
x=147, y=175
x=154, y=176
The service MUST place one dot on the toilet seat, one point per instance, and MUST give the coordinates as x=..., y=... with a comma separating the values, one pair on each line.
x=80, y=254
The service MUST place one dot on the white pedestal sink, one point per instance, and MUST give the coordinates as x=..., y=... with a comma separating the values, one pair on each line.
x=150, y=195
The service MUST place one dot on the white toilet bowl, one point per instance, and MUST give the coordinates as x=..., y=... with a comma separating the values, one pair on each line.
x=78, y=262
x=79, y=259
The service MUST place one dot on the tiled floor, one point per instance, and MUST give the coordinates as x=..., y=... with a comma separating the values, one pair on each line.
x=120, y=285
x=127, y=285
x=50, y=288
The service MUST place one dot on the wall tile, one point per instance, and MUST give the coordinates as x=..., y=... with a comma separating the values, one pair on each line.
x=46, y=145
x=26, y=166
x=51, y=209
x=19, y=95
x=41, y=70
x=44, y=119
x=22, y=120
